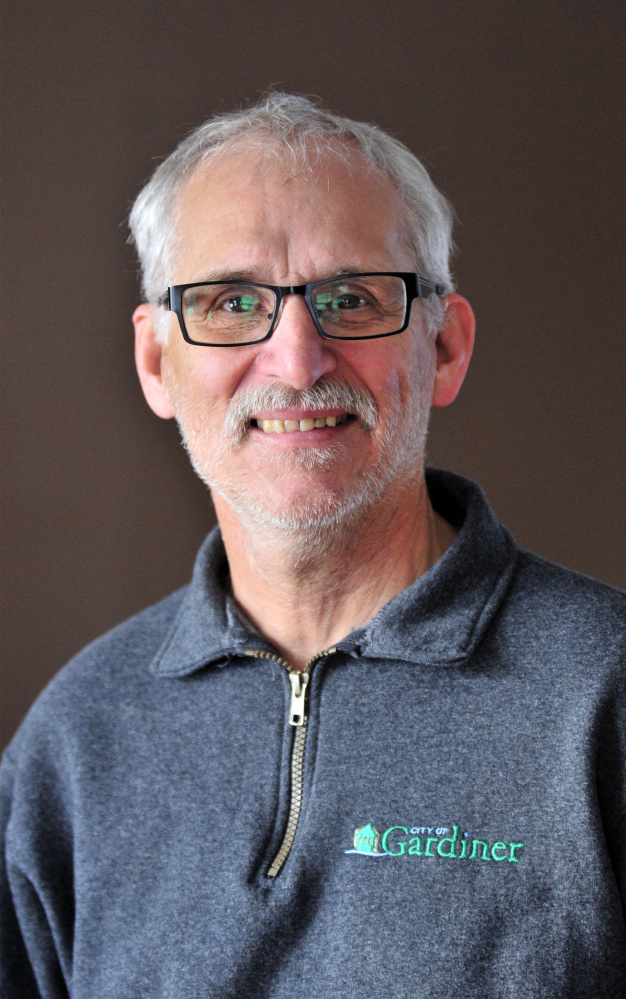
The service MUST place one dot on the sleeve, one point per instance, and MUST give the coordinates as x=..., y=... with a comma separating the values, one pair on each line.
x=611, y=776
x=31, y=966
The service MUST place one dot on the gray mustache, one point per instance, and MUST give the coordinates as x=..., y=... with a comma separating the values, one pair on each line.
x=324, y=394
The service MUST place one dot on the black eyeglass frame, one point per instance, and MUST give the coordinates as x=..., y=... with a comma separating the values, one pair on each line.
x=415, y=287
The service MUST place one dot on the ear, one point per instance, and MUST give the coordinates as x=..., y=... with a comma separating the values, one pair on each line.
x=149, y=358
x=454, y=345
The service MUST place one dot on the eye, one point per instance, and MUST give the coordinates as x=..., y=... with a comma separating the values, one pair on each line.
x=349, y=300
x=239, y=304
x=344, y=299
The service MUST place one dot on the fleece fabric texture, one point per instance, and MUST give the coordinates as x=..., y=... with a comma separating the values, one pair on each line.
x=463, y=819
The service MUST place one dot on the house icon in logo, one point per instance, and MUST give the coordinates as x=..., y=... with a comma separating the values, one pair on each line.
x=366, y=839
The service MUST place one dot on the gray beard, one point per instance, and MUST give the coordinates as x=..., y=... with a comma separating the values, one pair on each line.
x=320, y=524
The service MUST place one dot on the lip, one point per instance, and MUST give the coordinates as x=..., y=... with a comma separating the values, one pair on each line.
x=298, y=414
x=303, y=438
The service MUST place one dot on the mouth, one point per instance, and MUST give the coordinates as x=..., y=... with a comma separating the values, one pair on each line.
x=313, y=417
x=300, y=425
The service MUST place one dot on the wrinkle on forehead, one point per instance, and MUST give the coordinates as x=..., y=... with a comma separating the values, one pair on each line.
x=260, y=203
x=273, y=161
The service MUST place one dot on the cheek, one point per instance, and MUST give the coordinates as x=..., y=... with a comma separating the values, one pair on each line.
x=420, y=364
x=204, y=382
x=373, y=365
x=399, y=372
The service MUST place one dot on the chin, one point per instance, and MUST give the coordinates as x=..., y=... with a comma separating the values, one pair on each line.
x=311, y=510
x=310, y=496
x=314, y=458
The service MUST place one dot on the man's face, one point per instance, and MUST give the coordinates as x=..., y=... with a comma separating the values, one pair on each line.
x=248, y=217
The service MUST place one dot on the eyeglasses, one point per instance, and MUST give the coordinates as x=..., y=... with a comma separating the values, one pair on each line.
x=348, y=307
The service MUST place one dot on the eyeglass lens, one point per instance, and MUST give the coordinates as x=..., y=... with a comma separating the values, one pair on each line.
x=237, y=313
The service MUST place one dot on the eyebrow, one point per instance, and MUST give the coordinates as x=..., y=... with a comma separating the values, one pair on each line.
x=251, y=274
x=227, y=275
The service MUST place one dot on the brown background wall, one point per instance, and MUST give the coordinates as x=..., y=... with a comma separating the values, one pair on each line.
x=518, y=110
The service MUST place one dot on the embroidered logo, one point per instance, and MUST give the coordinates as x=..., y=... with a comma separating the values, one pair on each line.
x=431, y=841
x=366, y=840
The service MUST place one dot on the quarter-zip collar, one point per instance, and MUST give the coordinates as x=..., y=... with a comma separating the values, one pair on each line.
x=207, y=629
x=443, y=616
x=440, y=619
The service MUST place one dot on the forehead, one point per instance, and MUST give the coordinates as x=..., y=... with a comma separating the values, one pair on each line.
x=247, y=209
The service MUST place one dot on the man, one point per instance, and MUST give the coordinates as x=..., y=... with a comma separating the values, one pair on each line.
x=373, y=749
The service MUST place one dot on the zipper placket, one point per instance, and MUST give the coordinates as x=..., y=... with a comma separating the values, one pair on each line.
x=299, y=680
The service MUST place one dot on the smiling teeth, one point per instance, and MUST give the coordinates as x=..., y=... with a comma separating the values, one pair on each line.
x=288, y=426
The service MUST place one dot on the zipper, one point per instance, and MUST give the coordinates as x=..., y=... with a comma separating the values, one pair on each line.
x=299, y=680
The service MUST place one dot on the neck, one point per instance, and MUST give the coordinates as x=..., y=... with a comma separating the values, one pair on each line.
x=305, y=600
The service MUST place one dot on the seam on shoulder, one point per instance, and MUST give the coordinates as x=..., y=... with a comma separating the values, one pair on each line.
x=9, y=759
x=541, y=560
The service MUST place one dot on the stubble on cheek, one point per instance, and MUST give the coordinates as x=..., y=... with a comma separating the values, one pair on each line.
x=214, y=447
x=199, y=420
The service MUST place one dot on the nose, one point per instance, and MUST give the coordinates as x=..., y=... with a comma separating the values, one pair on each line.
x=295, y=353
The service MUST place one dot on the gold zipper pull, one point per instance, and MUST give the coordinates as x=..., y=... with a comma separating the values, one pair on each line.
x=297, y=707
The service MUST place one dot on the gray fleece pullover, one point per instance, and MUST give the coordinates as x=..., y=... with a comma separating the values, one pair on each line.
x=462, y=823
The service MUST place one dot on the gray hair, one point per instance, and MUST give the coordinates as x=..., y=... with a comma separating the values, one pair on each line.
x=299, y=131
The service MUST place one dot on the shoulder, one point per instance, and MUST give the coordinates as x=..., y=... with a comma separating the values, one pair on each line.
x=566, y=591
x=109, y=669
x=128, y=647
x=565, y=614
